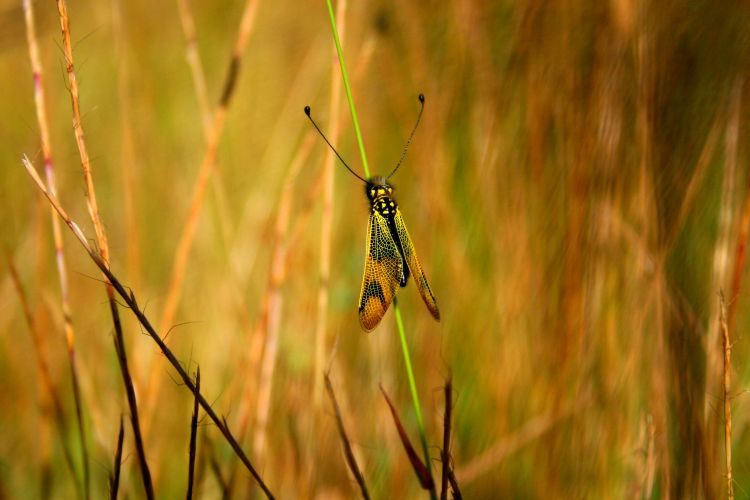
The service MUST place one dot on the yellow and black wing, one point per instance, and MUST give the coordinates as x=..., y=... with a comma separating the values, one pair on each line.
x=410, y=255
x=383, y=270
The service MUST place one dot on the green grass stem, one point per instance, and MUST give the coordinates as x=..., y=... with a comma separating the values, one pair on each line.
x=399, y=322
x=413, y=389
x=348, y=90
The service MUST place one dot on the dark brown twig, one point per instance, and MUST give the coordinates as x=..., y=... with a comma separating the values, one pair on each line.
x=114, y=480
x=129, y=299
x=193, y=435
x=351, y=461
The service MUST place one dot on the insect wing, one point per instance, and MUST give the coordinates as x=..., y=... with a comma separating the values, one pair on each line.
x=410, y=255
x=383, y=268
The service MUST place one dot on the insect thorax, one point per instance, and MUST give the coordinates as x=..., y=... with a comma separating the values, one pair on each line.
x=379, y=193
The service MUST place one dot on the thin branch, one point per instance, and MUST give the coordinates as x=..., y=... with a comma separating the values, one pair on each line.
x=132, y=304
x=351, y=461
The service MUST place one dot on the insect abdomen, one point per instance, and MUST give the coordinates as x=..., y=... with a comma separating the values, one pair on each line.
x=386, y=207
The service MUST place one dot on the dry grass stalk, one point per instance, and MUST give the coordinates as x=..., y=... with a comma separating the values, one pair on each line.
x=258, y=341
x=193, y=436
x=185, y=242
x=193, y=57
x=271, y=327
x=130, y=301
x=326, y=225
x=351, y=461
x=727, y=345
x=720, y=264
x=130, y=393
x=127, y=161
x=41, y=114
x=91, y=203
x=43, y=366
x=101, y=239
x=445, y=454
x=114, y=480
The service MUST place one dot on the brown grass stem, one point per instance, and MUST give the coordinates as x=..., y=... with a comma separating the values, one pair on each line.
x=271, y=326
x=60, y=261
x=193, y=58
x=351, y=460
x=128, y=164
x=91, y=203
x=727, y=347
x=114, y=480
x=445, y=454
x=326, y=224
x=127, y=380
x=101, y=239
x=130, y=301
x=185, y=241
x=258, y=347
x=43, y=367
x=193, y=436
x=206, y=168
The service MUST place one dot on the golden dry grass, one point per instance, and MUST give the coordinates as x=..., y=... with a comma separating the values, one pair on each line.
x=577, y=192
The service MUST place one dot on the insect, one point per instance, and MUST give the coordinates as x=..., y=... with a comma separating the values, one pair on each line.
x=391, y=257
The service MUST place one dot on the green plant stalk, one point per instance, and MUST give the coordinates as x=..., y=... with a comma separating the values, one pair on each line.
x=399, y=322
x=414, y=394
x=348, y=89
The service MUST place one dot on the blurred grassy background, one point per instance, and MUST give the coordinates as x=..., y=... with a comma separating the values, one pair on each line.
x=575, y=192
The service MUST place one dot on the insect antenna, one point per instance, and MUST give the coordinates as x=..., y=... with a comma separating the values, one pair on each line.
x=307, y=112
x=411, y=136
